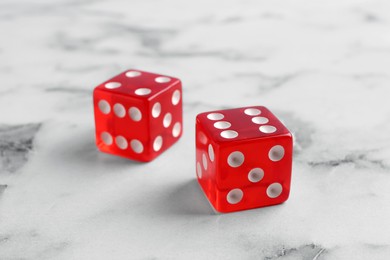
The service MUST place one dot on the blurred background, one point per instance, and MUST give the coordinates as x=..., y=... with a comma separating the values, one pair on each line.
x=321, y=66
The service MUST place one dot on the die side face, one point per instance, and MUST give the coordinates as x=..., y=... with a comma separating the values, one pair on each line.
x=116, y=125
x=165, y=119
x=138, y=125
x=206, y=163
x=260, y=170
x=253, y=170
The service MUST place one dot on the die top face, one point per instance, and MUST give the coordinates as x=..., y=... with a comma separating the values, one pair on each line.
x=138, y=84
x=246, y=123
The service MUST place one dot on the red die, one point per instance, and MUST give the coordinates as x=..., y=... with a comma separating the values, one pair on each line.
x=243, y=158
x=138, y=114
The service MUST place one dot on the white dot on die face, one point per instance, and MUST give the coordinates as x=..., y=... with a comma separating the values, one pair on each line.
x=176, y=97
x=267, y=129
x=112, y=85
x=104, y=107
x=215, y=116
x=167, y=120
x=252, y=111
x=135, y=114
x=234, y=196
x=119, y=110
x=157, y=144
x=276, y=153
x=143, y=91
x=255, y=175
x=211, y=153
x=199, y=170
x=236, y=159
x=162, y=79
x=274, y=190
x=133, y=74
x=106, y=138
x=121, y=142
x=229, y=134
x=204, y=160
x=222, y=125
x=156, y=110
x=176, y=129
x=202, y=138
x=260, y=120
x=136, y=146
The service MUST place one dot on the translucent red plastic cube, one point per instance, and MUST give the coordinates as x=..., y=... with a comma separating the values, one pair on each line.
x=138, y=115
x=243, y=158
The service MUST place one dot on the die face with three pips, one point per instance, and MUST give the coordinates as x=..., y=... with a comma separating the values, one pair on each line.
x=243, y=158
x=138, y=115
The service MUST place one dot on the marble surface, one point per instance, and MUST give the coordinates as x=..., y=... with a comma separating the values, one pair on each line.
x=321, y=66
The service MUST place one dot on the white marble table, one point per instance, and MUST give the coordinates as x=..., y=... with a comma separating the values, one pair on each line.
x=322, y=67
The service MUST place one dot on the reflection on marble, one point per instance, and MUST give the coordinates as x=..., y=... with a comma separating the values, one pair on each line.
x=322, y=67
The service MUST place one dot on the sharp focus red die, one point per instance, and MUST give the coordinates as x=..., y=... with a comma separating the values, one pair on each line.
x=138, y=114
x=243, y=158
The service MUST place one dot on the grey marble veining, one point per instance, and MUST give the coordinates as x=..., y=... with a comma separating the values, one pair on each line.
x=15, y=143
x=321, y=67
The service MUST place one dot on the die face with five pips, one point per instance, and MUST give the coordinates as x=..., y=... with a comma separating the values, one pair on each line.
x=138, y=115
x=243, y=158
